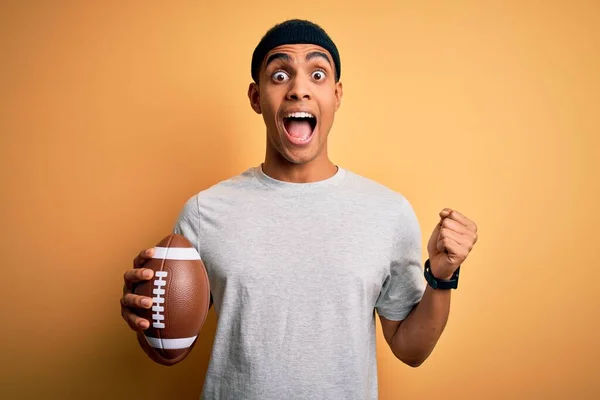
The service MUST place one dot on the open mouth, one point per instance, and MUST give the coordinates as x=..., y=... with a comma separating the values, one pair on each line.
x=299, y=126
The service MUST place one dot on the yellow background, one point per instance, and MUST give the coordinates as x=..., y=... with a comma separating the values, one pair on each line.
x=112, y=114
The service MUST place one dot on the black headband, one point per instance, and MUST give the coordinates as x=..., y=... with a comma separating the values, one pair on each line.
x=294, y=31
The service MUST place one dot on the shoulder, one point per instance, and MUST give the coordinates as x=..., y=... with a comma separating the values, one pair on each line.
x=205, y=201
x=376, y=194
x=224, y=188
x=387, y=205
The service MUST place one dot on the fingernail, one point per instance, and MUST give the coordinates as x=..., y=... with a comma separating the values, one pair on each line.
x=144, y=324
x=146, y=302
x=147, y=274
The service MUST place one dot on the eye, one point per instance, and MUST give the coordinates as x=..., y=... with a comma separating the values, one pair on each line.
x=280, y=76
x=318, y=75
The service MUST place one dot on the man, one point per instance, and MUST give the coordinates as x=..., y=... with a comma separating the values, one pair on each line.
x=300, y=252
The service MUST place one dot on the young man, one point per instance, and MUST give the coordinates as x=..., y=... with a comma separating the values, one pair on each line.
x=300, y=252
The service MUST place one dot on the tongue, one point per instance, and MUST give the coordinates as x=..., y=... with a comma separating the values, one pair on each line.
x=298, y=129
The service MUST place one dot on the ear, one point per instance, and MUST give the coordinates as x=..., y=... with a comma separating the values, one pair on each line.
x=254, y=97
x=339, y=91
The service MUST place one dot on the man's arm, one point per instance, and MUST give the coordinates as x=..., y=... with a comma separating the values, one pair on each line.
x=412, y=340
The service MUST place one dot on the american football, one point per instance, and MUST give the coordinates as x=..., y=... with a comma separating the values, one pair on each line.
x=180, y=293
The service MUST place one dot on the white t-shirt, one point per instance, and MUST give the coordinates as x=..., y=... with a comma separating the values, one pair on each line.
x=297, y=271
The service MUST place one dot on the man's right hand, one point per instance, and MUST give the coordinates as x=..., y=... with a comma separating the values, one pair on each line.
x=130, y=301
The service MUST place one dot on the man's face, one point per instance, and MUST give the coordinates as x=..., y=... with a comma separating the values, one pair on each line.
x=298, y=97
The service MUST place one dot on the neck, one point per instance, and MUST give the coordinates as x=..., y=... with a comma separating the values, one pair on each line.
x=279, y=168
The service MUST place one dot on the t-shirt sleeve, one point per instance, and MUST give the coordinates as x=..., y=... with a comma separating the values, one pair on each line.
x=187, y=223
x=404, y=286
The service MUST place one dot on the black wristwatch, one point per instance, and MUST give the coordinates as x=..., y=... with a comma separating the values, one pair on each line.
x=440, y=283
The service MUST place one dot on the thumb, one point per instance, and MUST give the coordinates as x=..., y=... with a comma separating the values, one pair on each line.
x=432, y=246
x=445, y=213
x=433, y=240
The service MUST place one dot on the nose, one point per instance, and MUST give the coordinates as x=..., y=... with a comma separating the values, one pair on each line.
x=299, y=89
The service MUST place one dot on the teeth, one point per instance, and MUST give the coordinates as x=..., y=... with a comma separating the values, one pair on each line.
x=299, y=115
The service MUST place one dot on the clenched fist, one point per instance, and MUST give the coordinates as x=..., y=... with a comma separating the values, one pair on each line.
x=451, y=242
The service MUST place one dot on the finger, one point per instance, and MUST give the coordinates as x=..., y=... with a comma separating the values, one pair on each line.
x=447, y=245
x=142, y=257
x=464, y=241
x=136, y=323
x=451, y=247
x=133, y=276
x=470, y=237
x=136, y=301
x=455, y=226
x=456, y=253
x=456, y=216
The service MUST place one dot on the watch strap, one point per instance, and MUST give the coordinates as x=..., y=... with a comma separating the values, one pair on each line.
x=436, y=283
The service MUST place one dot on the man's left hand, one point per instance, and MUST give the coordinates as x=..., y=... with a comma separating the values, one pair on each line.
x=451, y=242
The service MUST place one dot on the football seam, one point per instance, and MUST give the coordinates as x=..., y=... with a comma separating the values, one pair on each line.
x=166, y=310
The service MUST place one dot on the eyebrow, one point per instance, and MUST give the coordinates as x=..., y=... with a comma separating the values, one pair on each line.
x=277, y=56
x=317, y=54
x=286, y=58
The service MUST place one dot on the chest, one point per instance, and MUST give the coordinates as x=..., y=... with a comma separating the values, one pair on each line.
x=297, y=249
